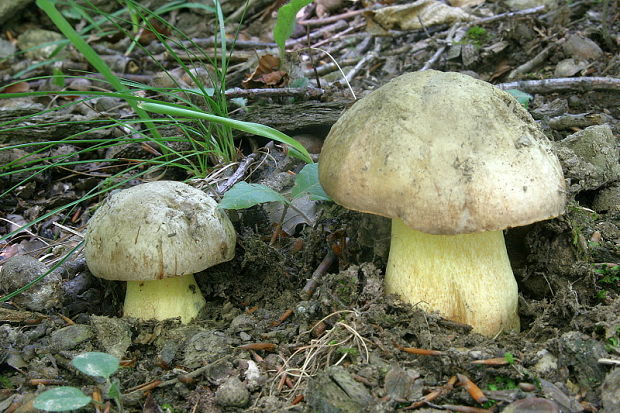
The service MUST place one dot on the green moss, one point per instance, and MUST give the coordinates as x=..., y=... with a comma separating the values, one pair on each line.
x=477, y=36
x=5, y=383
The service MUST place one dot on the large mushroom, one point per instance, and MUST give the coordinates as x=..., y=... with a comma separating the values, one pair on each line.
x=453, y=161
x=156, y=236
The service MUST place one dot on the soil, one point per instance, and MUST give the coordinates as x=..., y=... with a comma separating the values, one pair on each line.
x=298, y=320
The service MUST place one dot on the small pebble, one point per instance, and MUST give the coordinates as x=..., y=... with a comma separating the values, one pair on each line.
x=532, y=405
x=610, y=391
x=527, y=387
x=233, y=393
x=18, y=271
x=69, y=337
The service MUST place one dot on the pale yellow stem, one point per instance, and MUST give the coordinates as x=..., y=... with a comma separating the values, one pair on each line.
x=162, y=299
x=466, y=278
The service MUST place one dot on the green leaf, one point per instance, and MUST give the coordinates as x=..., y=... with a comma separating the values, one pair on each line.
x=296, y=149
x=509, y=357
x=522, y=97
x=61, y=399
x=243, y=195
x=58, y=79
x=285, y=23
x=114, y=391
x=307, y=183
x=96, y=364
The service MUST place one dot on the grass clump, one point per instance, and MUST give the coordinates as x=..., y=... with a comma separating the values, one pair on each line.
x=178, y=128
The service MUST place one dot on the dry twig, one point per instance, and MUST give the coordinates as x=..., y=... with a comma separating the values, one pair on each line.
x=563, y=84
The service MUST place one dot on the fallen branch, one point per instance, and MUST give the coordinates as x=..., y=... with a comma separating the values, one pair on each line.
x=331, y=19
x=296, y=92
x=518, y=13
x=313, y=282
x=578, y=120
x=454, y=35
x=564, y=84
x=528, y=66
x=237, y=175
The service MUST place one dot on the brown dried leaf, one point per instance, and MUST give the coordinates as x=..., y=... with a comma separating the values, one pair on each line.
x=16, y=88
x=325, y=7
x=465, y=3
x=267, y=74
x=416, y=15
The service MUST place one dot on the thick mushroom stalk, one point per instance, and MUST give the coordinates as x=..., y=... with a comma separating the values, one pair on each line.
x=162, y=299
x=466, y=277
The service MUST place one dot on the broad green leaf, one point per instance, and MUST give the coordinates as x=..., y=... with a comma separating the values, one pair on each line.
x=307, y=182
x=285, y=23
x=61, y=399
x=523, y=98
x=96, y=364
x=243, y=195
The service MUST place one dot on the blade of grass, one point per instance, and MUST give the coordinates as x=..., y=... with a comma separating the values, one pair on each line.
x=93, y=58
x=297, y=149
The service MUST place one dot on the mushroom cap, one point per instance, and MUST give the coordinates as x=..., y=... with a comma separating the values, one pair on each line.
x=157, y=230
x=444, y=152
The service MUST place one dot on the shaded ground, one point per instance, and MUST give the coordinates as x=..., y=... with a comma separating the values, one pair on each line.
x=269, y=340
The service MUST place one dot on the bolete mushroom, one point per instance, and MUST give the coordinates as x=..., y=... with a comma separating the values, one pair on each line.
x=156, y=236
x=453, y=161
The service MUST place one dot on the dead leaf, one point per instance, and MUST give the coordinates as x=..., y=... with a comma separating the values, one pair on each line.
x=151, y=33
x=150, y=405
x=465, y=3
x=17, y=88
x=416, y=15
x=267, y=74
x=501, y=68
x=8, y=252
x=325, y=7
x=293, y=217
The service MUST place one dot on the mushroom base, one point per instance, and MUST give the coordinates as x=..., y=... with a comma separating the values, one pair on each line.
x=165, y=298
x=466, y=277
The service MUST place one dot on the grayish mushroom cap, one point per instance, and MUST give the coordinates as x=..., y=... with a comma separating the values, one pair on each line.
x=157, y=230
x=444, y=152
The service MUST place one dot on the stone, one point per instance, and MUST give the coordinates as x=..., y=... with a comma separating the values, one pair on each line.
x=232, y=393
x=6, y=49
x=582, y=48
x=546, y=363
x=401, y=384
x=10, y=8
x=335, y=391
x=580, y=354
x=590, y=158
x=43, y=296
x=528, y=4
x=31, y=41
x=607, y=199
x=113, y=334
x=532, y=405
x=569, y=67
x=206, y=347
x=610, y=391
x=69, y=337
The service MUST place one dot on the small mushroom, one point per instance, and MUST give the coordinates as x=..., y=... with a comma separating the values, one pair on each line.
x=156, y=236
x=453, y=161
